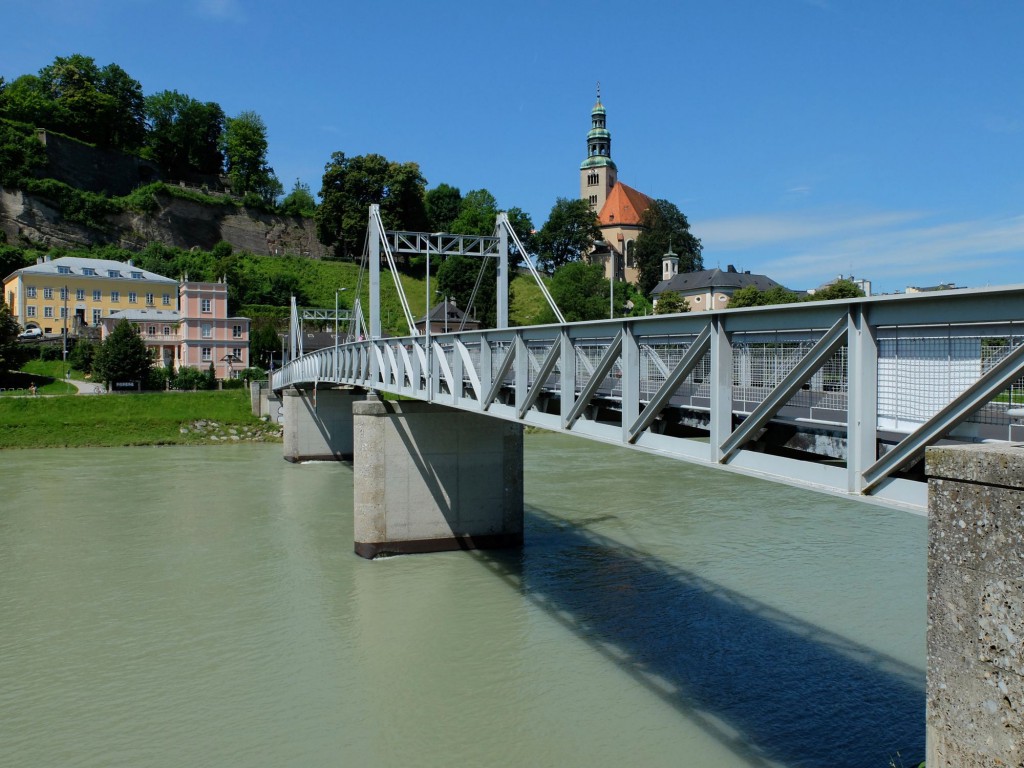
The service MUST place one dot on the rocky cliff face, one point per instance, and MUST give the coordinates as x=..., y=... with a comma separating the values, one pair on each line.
x=183, y=223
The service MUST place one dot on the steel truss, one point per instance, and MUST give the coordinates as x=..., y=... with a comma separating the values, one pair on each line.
x=880, y=378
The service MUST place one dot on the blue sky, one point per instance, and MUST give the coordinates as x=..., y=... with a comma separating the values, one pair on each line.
x=802, y=138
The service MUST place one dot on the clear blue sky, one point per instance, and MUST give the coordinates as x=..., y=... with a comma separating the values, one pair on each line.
x=802, y=138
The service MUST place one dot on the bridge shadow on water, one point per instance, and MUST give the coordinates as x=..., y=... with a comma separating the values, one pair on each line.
x=771, y=687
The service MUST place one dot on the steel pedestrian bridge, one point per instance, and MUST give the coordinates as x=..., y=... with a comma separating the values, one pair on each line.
x=839, y=396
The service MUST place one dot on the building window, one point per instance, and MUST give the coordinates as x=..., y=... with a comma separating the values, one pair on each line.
x=593, y=200
x=151, y=330
x=80, y=294
x=96, y=315
x=136, y=275
x=63, y=270
x=236, y=331
x=237, y=354
x=88, y=271
x=115, y=296
x=30, y=311
x=167, y=299
x=47, y=311
x=113, y=273
x=133, y=297
x=97, y=295
x=206, y=305
x=207, y=331
x=30, y=292
x=207, y=354
x=47, y=293
x=631, y=254
x=63, y=312
x=149, y=298
x=63, y=294
x=167, y=330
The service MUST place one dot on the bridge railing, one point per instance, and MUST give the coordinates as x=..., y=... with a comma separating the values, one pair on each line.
x=903, y=371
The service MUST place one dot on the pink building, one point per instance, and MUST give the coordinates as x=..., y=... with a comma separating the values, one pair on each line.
x=197, y=334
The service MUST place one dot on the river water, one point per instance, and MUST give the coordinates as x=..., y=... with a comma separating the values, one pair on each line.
x=202, y=607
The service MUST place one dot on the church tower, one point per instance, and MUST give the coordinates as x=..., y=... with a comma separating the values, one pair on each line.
x=598, y=173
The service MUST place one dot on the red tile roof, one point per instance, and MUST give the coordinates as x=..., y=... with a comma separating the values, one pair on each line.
x=624, y=205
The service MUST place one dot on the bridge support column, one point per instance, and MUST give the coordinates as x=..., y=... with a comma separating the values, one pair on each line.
x=975, y=714
x=430, y=478
x=318, y=423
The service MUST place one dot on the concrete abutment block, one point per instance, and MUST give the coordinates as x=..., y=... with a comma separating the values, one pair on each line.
x=318, y=423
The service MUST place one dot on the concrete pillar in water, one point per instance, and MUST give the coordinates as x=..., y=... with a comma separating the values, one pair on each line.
x=430, y=478
x=975, y=714
x=318, y=423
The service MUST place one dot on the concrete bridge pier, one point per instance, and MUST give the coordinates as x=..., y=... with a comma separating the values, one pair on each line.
x=430, y=478
x=975, y=713
x=318, y=423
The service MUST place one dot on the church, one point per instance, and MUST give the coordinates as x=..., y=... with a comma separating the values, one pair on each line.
x=619, y=207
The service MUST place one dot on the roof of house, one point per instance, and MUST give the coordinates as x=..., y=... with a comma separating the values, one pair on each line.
x=144, y=315
x=624, y=206
x=446, y=310
x=76, y=266
x=711, y=279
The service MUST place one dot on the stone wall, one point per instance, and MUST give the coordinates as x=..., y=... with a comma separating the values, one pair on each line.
x=93, y=168
x=975, y=713
x=176, y=222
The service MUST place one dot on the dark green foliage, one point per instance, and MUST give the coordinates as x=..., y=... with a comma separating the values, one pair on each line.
x=477, y=213
x=522, y=225
x=670, y=302
x=568, y=234
x=299, y=202
x=82, y=355
x=157, y=378
x=351, y=184
x=455, y=280
x=21, y=154
x=264, y=342
x=184, y=135
x=9, y=330
x=442, y=204
x=580, y=291
x=664, y=226
x=77, y=205
x=12, y=258
x=122, y=356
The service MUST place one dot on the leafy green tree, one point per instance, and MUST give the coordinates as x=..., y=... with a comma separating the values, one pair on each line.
x=21, y=155
x=478, y=212
x=26, y=100
x=9, y=330
x=299, y=202
x=11, y=258
x=455, y=280
x=671, y=303
x=522, y=225
x=82, y=355
x=665, y=225
x=747, y=296
x=779, y=295
x=245, y=153
x=580, y=291
x=442, y=204
x=264, y=342
x=122, y=356
x=184, y=135
x=351, y=184
x=568, y=235
x=840, y=289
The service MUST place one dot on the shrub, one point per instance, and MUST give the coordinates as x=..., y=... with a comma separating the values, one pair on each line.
x=189, y=378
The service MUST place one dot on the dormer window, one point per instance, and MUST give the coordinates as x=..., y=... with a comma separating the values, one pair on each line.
x=113, y=273
x=88, y=271
x=64, y=270
x=136, y=275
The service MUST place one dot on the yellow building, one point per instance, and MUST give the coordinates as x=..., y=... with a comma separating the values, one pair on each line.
x=70, y=292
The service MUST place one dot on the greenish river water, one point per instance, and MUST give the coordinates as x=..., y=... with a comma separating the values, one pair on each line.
x=202, y=607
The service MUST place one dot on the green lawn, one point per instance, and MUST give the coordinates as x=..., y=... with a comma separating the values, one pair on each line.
x=113, y=420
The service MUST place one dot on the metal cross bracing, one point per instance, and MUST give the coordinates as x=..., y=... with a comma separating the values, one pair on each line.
x=840, y=396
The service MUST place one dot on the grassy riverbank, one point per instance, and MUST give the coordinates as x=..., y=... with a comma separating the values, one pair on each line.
x=159, y=418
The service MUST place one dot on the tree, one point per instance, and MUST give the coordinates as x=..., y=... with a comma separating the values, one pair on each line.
x=665, y=225
x=522, y=225
x=478, y=212
x=580, y=291
x=568, y=235
x=264, y=342
x=184, y=135
x=299, y=202
x=671, y=303
x=442, y=204
x=245, y=154
x=747, y=296
x=455, y=280
x=840, y=289
x=351, y=184
x=9, y=330
x=122, y=356
x=21, y=155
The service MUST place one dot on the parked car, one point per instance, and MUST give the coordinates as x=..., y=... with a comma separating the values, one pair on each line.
x=31, y=333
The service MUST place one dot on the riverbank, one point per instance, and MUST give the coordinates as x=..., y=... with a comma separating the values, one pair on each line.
x=157, y=418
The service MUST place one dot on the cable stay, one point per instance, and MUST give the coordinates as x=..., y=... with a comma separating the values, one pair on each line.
x=533, y=270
